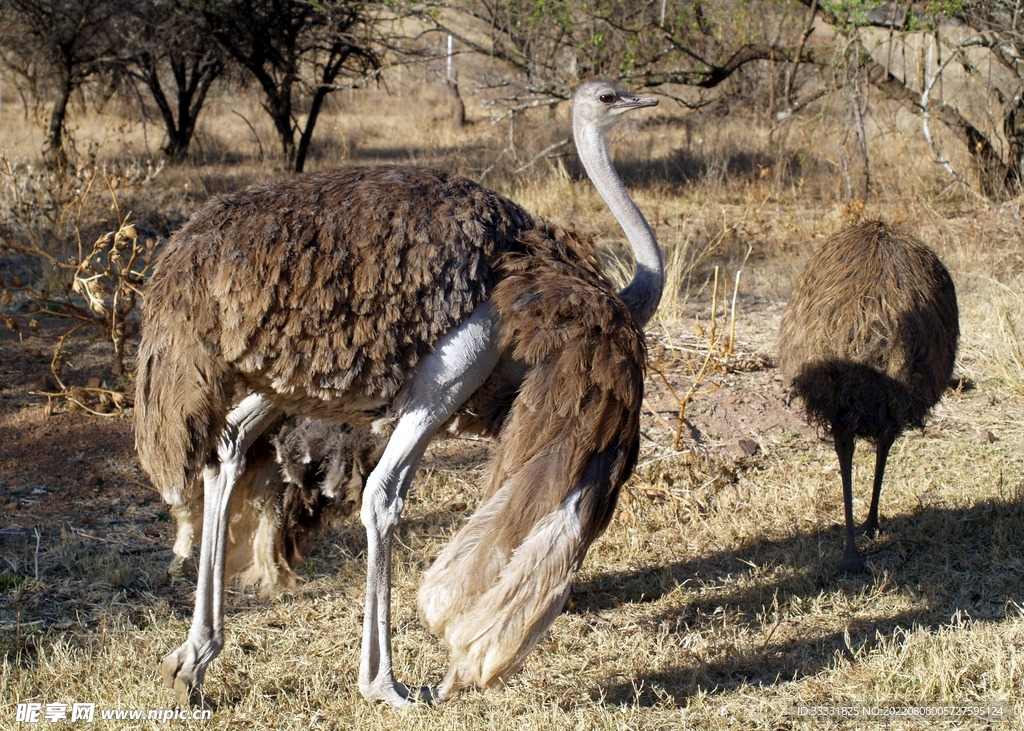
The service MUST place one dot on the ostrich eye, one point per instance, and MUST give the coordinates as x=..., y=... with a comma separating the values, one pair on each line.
x=607, y=98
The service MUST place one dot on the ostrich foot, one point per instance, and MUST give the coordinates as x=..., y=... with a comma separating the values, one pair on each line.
x=180, y=673
x=852, y=563
x=870, y=528
x=396, y=694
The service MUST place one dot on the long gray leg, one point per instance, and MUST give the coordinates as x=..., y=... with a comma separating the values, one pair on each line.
x=184, y=668
x=444, y=380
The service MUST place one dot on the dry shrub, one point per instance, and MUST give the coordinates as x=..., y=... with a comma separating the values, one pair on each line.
x=46, y=269
x=1006, y=350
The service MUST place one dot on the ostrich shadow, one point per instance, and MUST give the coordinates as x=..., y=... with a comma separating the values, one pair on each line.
x=943, y=555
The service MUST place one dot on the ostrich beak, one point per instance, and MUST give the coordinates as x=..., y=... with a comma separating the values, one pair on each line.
x=629, y=101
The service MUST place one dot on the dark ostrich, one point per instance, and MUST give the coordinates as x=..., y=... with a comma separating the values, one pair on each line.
x=868, y=341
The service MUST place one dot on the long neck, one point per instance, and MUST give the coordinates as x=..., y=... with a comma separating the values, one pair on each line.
x=643, y=294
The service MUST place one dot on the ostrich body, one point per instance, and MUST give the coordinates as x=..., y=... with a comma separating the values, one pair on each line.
x=406, y=299
x=868, y=341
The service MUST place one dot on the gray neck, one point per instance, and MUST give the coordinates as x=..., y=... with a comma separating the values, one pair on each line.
x=643, y=294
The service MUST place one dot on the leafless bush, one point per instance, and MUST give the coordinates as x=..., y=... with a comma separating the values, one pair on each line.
x=709, y=351
x=46, y=269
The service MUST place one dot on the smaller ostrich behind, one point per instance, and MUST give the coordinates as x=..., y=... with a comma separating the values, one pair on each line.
x=301, y=476
x=868, y=342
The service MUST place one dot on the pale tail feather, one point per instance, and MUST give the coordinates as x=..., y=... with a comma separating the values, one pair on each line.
x=446, y=591
x=490, y=642
x=502, y=613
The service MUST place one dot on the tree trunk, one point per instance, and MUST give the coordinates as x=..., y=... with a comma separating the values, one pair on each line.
x=173, y=149
x=856, y=164
x=191, y=96
x=307, y=132
x=1013, y=128
x=339, y=53
x=458, y=118
x=54, y=154
x=279, y=106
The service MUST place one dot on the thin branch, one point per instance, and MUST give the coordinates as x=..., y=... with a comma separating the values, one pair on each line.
x=791, y=72
x=941, y=158
x=542, y=153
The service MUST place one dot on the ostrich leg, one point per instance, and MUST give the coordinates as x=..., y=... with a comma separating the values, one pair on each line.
x=443, y=381
x=184, y=668
x=871, y=526
x=851, y=562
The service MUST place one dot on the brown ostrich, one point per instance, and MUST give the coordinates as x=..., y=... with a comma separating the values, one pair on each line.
x=868, y=342
x=405, y=300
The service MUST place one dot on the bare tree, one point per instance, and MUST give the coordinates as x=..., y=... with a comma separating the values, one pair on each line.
x=544, y=50
x=71, y=41
x=996, y=37
x=790, y=53
x=297, y=48
x=173, y=54
x=976, y=45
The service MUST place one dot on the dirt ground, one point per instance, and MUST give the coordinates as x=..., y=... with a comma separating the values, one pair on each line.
x=85, y=543
x=63, y=469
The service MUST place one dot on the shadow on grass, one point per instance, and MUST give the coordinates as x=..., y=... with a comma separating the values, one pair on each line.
x=91, y=571
x=946, y=558
x=684, y=167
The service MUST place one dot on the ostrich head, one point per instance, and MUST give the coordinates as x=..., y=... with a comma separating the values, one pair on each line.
x=600, y=104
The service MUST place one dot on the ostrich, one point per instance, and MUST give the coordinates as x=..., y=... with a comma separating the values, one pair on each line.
x=406, y=300
x=868, y=342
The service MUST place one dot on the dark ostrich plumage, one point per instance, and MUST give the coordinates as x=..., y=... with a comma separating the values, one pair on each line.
x=868, y=342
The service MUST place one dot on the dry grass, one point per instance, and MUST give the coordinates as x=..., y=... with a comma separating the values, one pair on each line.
x=712, y=601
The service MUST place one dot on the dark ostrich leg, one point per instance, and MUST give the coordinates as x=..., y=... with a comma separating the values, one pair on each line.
x=851, y=562
x=870, y=526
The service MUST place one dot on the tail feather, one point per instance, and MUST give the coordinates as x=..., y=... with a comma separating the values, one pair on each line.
x=443, y=593
x=491, y=637
x=570, y=442
x=489, y=646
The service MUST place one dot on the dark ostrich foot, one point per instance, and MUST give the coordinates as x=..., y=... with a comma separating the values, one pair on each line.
x=852, y=563
x=870, y=528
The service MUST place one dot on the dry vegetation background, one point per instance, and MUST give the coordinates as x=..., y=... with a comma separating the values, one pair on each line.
x=711, y=602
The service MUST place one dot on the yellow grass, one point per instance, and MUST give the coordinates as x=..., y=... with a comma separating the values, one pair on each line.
x=712, y=601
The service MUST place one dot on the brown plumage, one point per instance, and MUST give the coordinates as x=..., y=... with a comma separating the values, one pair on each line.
x=402, y=300
x=868, y=342
x=256, y=293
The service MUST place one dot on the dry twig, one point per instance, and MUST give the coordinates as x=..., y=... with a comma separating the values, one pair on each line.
x=711, y=353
